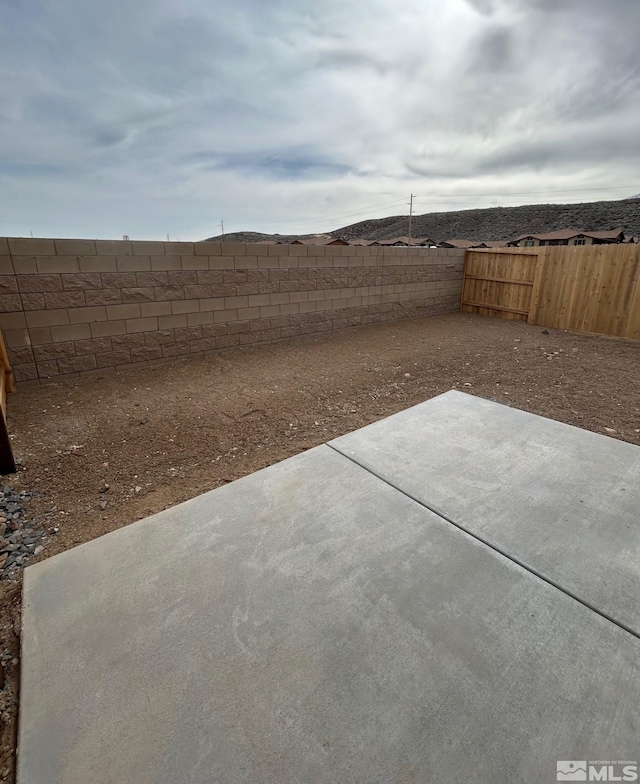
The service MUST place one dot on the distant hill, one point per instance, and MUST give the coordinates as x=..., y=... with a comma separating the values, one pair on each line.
x=499, y=223
x=494, y=223
x=257, y=236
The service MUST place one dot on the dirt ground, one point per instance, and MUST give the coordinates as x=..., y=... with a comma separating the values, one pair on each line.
x=103, y=452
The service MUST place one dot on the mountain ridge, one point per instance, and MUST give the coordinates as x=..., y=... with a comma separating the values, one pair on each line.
x=488, y=223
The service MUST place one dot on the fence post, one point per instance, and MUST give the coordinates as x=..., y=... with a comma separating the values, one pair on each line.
x=464, y=278
x=541, y=263
x=7, y=463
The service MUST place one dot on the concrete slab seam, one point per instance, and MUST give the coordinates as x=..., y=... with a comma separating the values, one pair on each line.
x=492, y=546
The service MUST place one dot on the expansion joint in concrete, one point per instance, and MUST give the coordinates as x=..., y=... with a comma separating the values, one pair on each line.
x=490, y=544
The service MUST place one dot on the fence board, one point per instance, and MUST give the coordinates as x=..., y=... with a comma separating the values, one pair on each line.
x=633, y=321
x=593, y=288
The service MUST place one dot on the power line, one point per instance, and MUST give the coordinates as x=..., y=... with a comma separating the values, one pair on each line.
x=485, y=205
x=338, y=214
x=444, y=195
x=321, y=220
x=347, y=213
x=456, y=206
x=527, y=193
x=309, y=224
x=319, y=224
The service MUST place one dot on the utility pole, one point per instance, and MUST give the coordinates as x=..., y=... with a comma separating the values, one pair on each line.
x=222, y=228
x=410, y=217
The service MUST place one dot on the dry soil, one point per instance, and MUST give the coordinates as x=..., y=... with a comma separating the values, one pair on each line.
x=105, y=451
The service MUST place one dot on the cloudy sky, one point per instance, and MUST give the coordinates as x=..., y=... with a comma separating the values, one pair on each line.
x=156, y=117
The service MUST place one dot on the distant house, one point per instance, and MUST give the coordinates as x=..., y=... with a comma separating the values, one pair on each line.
x=469, y=244
x=568, y=237
x=404, y=242
x=466, y=244
x=320, y=241
x=495, y=243
x=363, y=243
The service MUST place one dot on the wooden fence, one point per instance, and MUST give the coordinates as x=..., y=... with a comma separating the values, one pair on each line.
x=7, y=463
x=593, y=288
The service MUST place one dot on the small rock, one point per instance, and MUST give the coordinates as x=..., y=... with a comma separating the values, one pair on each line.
x=610, y=430
x=38, y=550
x=3, y=559
x=105, y=488
x=545, y=331
x=103, y=505
x=143, y=421
x=138, y=488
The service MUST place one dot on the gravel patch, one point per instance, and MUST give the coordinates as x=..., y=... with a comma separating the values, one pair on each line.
x=20, y=537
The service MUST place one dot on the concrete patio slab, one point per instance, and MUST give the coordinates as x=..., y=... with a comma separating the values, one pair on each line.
x=563, y=501
x=310, y=623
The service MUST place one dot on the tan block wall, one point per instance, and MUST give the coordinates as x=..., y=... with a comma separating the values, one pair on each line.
x=82, y=306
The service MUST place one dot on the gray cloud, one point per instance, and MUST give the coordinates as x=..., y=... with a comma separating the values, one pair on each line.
x=484, y=7
x=288, y=164
x=494, y=51
x=152, y=117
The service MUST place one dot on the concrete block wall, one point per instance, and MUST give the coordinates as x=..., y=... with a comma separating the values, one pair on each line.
x=86, y=306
